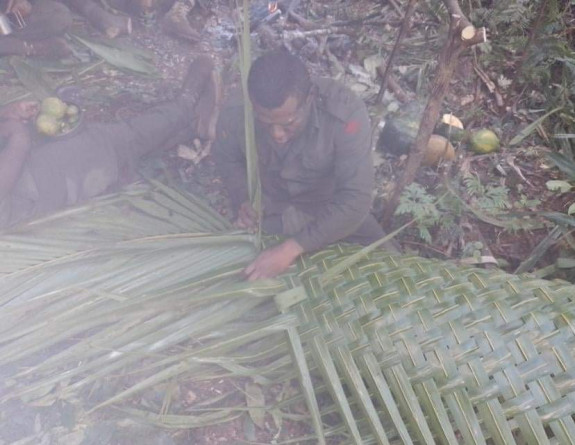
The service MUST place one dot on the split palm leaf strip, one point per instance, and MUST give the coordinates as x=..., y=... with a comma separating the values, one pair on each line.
x=252, y=167
x=108, y=305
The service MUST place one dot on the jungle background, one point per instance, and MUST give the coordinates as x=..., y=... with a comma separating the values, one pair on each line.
x=511, y=209
x=499, y=208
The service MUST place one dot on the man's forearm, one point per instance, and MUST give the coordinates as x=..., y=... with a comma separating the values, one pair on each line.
x=337, y=220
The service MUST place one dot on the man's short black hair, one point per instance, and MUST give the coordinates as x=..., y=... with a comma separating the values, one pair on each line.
x=275, y=76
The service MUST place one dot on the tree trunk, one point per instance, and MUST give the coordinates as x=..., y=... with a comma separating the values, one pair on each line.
x=461, y=36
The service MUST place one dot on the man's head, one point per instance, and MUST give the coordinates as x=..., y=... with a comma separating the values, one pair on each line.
x=279, y=86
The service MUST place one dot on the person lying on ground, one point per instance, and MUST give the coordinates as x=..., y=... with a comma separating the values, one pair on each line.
x=99, y=157
x=171, y=15
x=38, y=28
x=314, y=155
x=116, y=18
x=108, y=23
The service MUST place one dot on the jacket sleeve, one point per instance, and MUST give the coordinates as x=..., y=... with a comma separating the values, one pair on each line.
x=354, y=175
x=229, y=155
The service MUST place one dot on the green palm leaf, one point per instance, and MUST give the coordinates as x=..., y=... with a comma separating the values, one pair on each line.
x=137, y=293
x=244, y=51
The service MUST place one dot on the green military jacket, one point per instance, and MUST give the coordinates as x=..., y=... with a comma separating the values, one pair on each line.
x=326, y=172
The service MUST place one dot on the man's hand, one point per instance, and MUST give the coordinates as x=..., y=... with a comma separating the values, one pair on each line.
x=273, y=261
x=247, y=217
x=21, y=111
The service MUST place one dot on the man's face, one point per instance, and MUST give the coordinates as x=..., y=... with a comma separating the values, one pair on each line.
x=285, y=122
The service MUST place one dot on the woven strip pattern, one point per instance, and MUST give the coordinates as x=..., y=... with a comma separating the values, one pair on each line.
x=429, y=352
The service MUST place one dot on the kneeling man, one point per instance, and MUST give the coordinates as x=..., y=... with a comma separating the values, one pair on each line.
x=315, y=164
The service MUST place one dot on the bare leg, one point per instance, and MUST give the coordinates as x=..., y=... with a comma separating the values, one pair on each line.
x=104, y=21
x=143, y=9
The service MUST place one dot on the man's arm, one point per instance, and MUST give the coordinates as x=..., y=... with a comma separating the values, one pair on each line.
x=354, y=175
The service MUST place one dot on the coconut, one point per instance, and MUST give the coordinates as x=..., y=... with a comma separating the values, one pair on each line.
x=438, y=148
x=72, y=110
x=53, y=106
x=47, y=124
x=484, y=141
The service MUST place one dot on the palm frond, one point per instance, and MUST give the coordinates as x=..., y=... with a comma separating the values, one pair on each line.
x=244, y=50
x=109, y=304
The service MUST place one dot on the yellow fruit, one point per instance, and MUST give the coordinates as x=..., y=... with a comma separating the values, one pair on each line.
x=47, y=124
x=53, y=106
x=484, y=141
x=72, y=110
x=438, y=148
x=452, y=121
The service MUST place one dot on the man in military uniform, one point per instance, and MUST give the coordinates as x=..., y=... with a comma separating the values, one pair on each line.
x=101, y=156
x=316, y=170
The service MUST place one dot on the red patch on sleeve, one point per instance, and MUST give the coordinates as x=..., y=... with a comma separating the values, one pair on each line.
x=352, y=127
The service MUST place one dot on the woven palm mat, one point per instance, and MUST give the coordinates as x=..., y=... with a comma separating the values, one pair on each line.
x=143, y=288
x=424, y=351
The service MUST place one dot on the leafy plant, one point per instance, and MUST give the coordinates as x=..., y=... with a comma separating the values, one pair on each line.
x=121, y=58
x=421, y=206
x=430, y=211
x=526, y=202
x=487, y=197
x=532, y=47
x=567, y=166
x=565, y=224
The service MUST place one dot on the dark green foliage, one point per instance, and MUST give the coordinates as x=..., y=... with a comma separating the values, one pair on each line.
x=531, y=43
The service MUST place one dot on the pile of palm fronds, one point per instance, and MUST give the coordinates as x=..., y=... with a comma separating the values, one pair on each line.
x=140, y=292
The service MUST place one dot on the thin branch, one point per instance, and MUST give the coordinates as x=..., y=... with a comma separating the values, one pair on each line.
x=402, y=31
x=394, y=86
x=303, y=22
